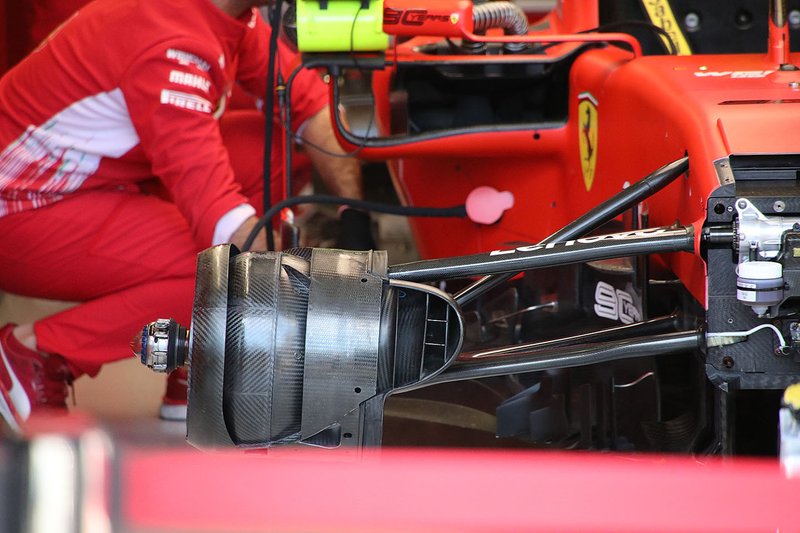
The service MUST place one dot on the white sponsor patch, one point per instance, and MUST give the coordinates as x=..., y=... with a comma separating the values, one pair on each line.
x=185, y=101
x=189, y=80
x=186, y=58
x=738, y=74
x=59, y=155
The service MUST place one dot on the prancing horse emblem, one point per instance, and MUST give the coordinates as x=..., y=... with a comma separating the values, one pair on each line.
x=587, y=117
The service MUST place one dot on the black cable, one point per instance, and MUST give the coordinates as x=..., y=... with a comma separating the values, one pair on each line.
x=299, y=138
x=291, y=136
x=672, y=49
x=618, y=25
x=269, y=106
x=458, y=211
x=335, y=79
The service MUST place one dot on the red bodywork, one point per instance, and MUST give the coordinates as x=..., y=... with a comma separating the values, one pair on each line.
x=122, y=478
x=465, y=491
x=415, y=18
x=650, y=111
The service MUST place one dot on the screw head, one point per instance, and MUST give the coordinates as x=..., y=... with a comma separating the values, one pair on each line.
x=779, y=206
x=743, y=19
x=692, y=21
x=794, y=18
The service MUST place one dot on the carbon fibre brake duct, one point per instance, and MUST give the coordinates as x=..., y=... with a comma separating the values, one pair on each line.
x=300, y=346
x=306, y=345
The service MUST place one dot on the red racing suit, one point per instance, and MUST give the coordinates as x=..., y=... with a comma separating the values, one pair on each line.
x=126, y=91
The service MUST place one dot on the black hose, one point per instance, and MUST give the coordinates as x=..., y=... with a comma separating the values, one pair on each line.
x=458, y=211
x=665, y=38
x=269, y=106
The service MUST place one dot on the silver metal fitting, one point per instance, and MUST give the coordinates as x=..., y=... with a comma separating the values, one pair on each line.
x=162, y=346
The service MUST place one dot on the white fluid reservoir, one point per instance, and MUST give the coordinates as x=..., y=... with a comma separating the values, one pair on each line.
x=759, y=284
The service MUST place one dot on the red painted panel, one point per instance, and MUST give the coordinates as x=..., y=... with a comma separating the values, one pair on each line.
x=436, y=490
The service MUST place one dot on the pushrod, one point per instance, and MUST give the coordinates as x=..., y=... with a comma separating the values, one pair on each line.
x=593, y=219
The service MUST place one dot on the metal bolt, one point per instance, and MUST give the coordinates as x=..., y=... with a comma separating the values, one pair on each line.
x=730, y=209
x=692, y=21
x=741, y=204
x=779, y=206
x=744, y=19
x=727, y=361
x=794, y=18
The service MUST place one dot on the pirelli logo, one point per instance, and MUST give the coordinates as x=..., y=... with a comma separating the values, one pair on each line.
x=185, y=101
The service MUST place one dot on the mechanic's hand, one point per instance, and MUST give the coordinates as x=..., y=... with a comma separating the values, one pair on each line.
x=355, y=231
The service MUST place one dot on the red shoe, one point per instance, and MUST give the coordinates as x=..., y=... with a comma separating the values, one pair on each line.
x=29, y=381
x=174, y=402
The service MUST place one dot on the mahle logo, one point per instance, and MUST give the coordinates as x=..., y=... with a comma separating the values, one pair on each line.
x=587, y=136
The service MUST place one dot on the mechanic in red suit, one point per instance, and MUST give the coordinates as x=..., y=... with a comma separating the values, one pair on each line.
x=125, y=91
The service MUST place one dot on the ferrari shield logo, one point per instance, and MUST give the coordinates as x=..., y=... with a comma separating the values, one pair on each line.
x=587, y=140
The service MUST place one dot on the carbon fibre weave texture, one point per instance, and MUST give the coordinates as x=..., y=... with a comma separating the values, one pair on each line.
x=287, y=391
x=342, y=335
x=205, y=425
x=249, y=346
